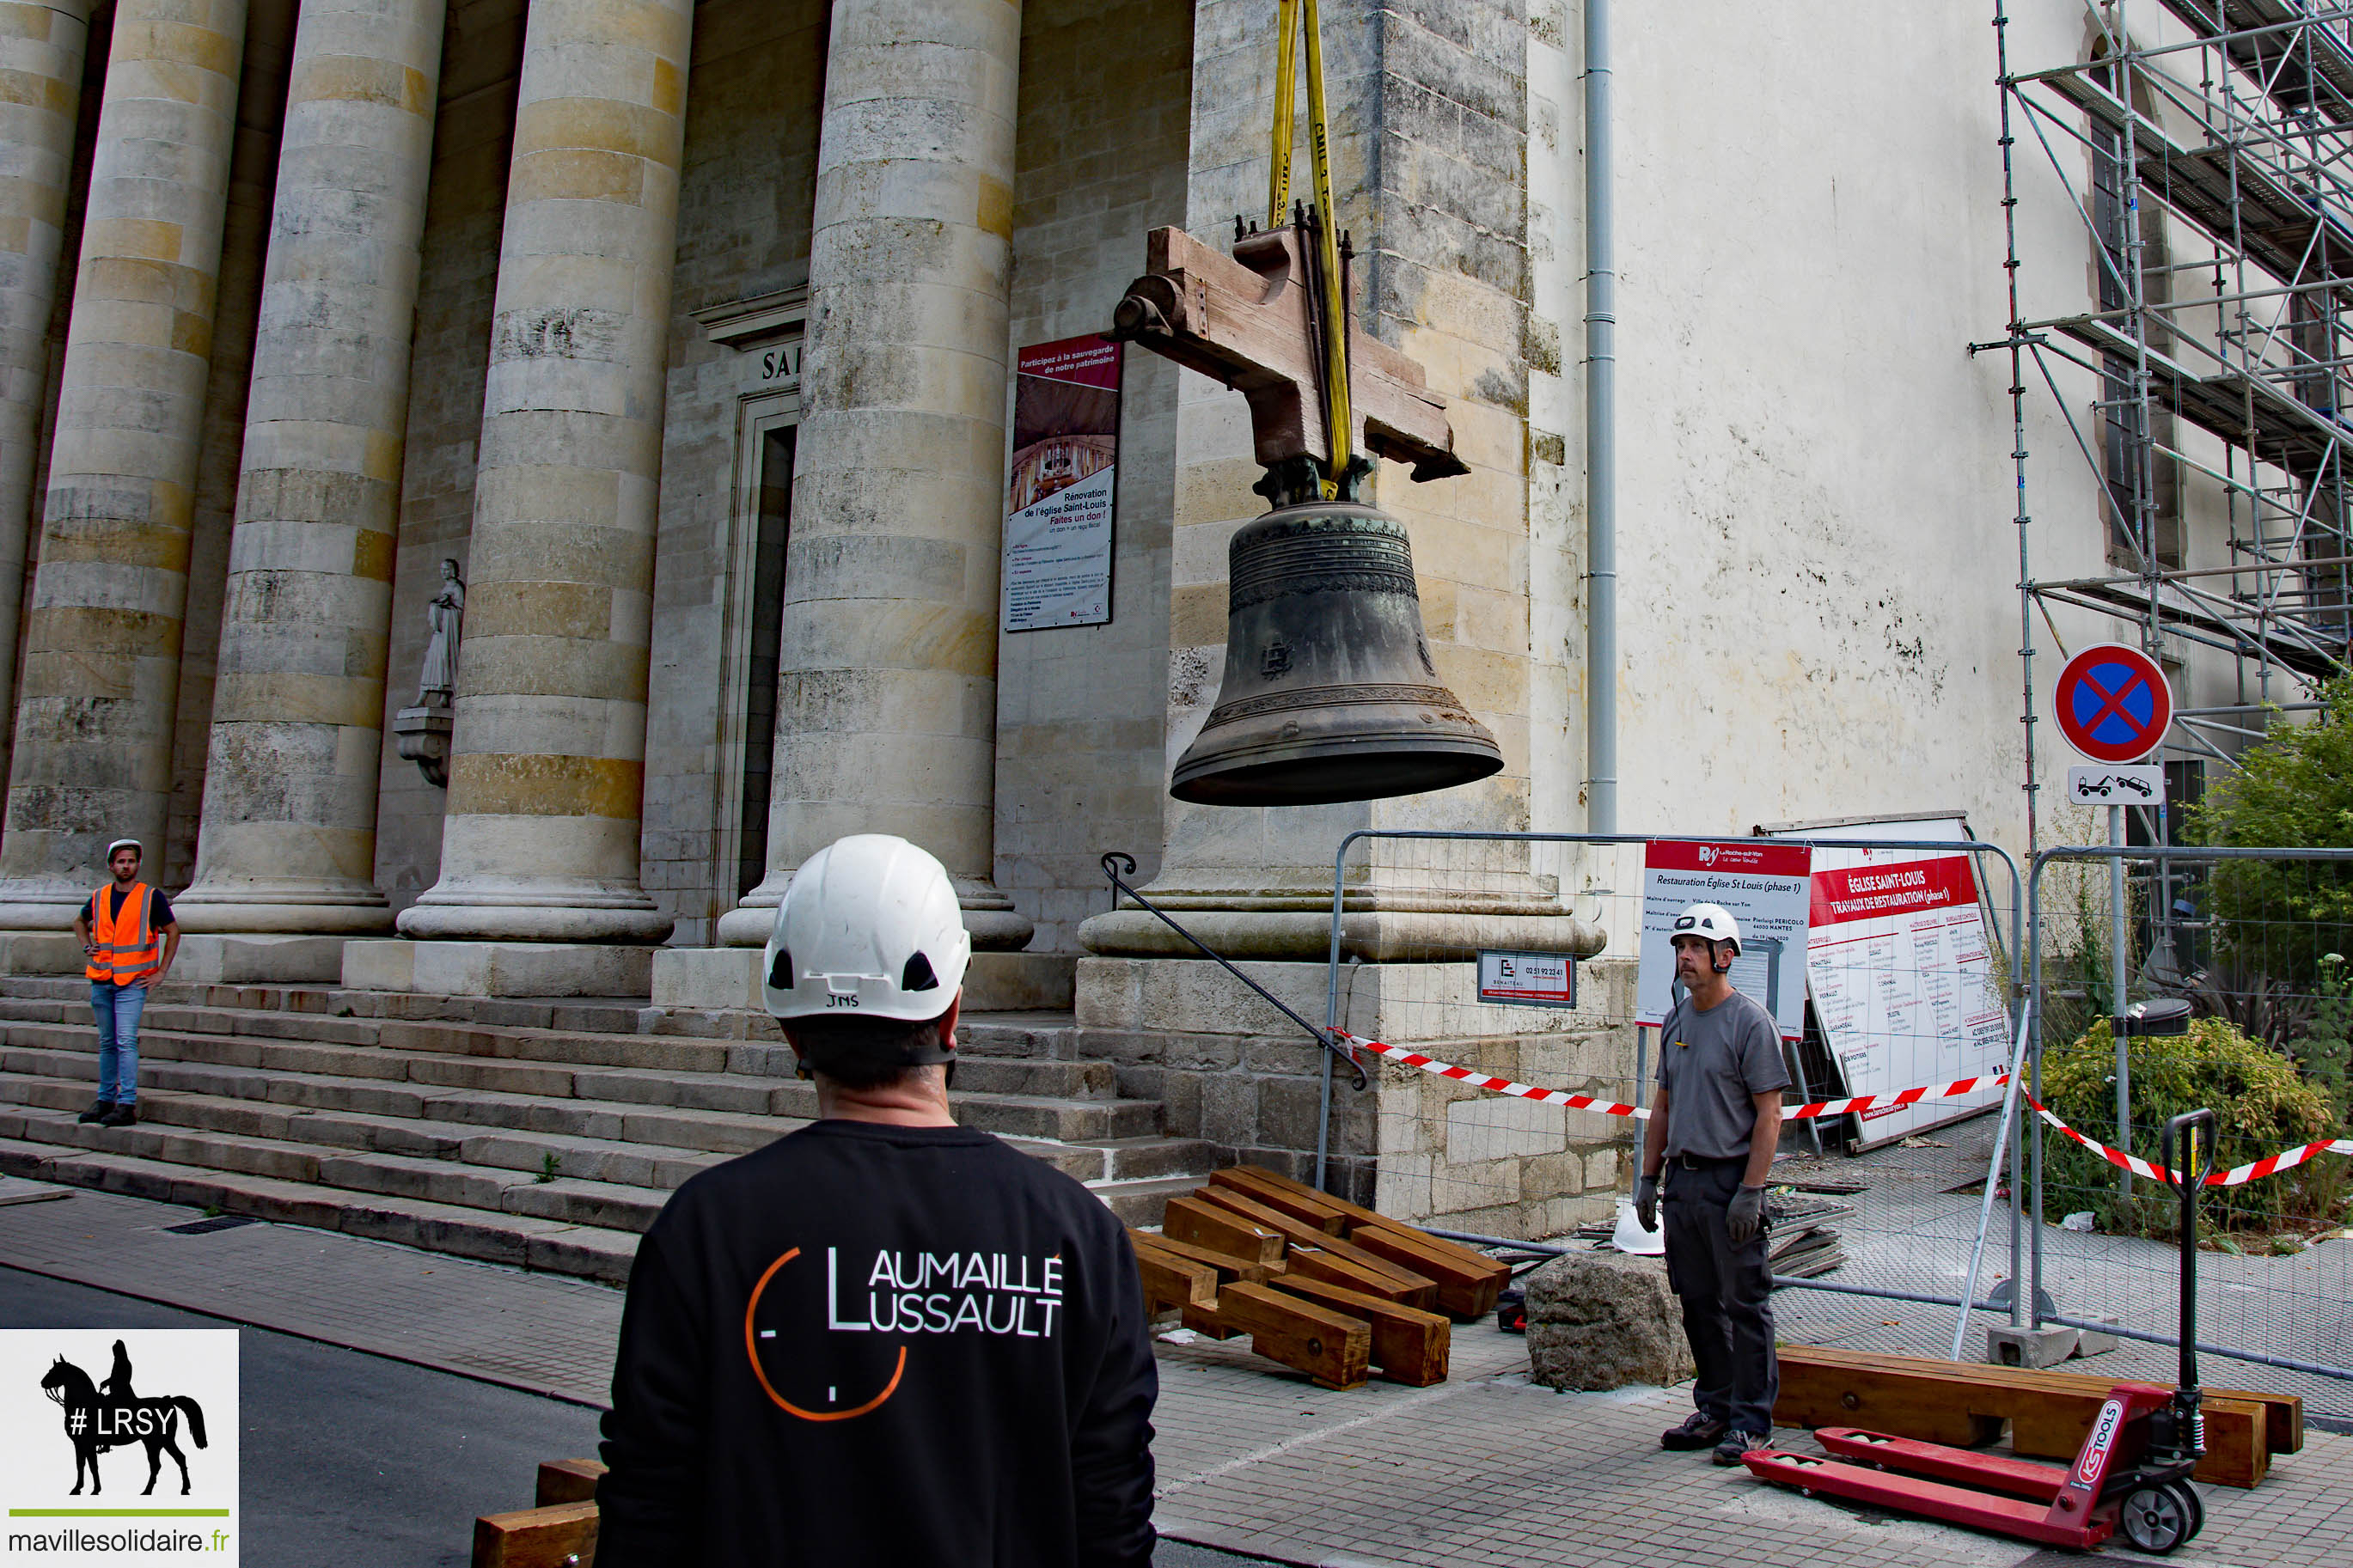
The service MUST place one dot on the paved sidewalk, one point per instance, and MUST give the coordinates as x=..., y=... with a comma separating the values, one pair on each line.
x=1481, y=1469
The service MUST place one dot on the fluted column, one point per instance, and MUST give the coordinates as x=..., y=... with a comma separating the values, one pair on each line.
x=886, y=711
x=93, y=755
x=287, y=840
x=42, y=47
x=547, y=759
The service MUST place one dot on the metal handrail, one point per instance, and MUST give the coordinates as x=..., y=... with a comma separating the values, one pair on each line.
x=1114, y=860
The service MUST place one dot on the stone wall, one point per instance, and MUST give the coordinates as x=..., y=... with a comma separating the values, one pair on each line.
x=472, y=141
x=1099, y=153
x=1232, y=1070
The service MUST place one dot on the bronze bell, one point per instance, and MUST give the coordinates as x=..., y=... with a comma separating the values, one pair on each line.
x=1329, y=692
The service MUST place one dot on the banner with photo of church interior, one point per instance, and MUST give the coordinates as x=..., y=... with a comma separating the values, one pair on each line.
x=1059, y=498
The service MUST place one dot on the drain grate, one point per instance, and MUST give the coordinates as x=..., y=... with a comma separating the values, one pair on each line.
x=206, y=1226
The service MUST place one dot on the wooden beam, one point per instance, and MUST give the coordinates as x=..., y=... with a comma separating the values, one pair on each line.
x=2053, y=1427
x=1298, y=1233
x=1332, y=1348
x=1325, y=1214
x=1173, y=1281
x=1220, y=1229
x=536, y=1537
x=2283, y=1412
x=1468, y=1282
x=1966, y=1405
x=568, y=1480
x=1250, y=1270
x=1318, y=1263
x=1409, y=1346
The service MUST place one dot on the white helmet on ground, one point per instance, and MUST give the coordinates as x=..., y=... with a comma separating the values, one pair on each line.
x=1710, y=923
x=869, y=928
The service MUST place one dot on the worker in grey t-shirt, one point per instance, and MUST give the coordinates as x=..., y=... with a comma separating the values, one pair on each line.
x=1713, y=1127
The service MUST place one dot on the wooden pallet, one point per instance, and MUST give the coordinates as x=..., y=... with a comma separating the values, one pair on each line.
x=2048, y=1413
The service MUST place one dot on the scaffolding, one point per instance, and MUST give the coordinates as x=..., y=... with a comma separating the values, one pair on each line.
x=2207, y=148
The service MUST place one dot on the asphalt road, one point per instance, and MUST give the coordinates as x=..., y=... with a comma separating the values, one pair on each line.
x=353, y=1461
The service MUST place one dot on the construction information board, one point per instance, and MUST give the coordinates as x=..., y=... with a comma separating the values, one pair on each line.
x=1527, y=979
x=1059, y=498
x=1763, y=887
x=1903, y=978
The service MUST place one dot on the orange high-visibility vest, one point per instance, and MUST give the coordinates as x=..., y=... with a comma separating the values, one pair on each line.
x=128, y=947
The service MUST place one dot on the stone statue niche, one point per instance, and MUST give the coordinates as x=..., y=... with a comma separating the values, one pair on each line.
x=423, y=732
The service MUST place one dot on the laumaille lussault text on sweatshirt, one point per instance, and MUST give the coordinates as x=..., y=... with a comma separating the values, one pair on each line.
x=881, y=1345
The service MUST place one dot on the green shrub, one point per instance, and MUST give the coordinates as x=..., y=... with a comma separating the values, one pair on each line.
x=2261, y=1105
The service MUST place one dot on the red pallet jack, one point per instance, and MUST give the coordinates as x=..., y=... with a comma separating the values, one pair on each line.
x=2131, y=1476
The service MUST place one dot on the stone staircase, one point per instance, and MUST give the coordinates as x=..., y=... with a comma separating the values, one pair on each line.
x=546, y=1134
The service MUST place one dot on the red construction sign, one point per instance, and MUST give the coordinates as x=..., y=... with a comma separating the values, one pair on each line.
x=2114, y=703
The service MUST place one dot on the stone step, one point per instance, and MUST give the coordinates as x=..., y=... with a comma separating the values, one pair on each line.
x=592, y=1252
x=659, y=1148
x=994, y=1073
x=613, y=1205
x=1063, y=1118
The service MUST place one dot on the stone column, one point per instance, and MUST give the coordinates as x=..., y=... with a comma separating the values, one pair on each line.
x=886, y=709
x=93, y=757
x=547, y=759
x=288, y=840
x=42, y=48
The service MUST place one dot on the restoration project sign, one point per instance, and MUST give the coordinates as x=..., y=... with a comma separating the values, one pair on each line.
x=1059, y=501
x=1901, y=969
x=1763, y=885
x=118, y=1447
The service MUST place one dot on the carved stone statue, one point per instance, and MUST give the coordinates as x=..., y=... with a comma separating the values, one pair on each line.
x=422, y=733
x=436, y=680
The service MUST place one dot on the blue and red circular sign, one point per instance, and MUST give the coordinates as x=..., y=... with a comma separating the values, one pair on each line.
x=2114, y=703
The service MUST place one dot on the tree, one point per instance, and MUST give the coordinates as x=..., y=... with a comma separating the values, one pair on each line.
x=2293, y=789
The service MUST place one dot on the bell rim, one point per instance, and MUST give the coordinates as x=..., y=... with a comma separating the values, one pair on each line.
x=1470, y=758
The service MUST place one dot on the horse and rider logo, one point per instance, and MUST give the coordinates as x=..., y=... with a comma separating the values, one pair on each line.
x=99, y=1416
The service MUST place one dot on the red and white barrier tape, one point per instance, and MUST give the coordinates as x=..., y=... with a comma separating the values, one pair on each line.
x=2271, y=1164
x=2237, y=1176
x=1614, y=1107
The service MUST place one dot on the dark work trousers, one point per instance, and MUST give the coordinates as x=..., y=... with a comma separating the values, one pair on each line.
x=1726, y=1293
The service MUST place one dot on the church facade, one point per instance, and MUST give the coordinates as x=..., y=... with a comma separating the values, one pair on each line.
x=686, y=333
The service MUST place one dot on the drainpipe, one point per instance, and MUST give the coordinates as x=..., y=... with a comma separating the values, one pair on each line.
x=1600, y=434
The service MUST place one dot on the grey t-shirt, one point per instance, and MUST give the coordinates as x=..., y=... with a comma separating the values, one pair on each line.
x=1710, y=1062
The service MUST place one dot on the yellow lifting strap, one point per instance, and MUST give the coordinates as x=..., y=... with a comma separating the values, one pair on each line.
x=1288, y=18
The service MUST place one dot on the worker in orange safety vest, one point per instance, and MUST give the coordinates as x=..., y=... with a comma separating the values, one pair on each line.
x=129, y=937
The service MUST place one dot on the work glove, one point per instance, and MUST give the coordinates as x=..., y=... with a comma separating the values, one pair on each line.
x=1646, y=1203
x=1746, y=1217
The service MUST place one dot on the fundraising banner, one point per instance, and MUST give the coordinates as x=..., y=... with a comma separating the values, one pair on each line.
x=118, y=1445
x=1901, y=972
x=1059, y=501
x=1762, y=885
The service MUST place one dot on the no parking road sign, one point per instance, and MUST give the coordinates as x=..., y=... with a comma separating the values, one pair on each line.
x=2114, y=703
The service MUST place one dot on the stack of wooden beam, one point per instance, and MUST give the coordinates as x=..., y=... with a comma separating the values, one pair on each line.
x=1318, y=1284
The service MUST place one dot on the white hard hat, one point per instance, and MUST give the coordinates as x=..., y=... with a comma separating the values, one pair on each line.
x=1713, y=922
x=869, y=928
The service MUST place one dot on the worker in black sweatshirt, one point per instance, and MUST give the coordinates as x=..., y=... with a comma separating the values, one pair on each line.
x=884, y=1339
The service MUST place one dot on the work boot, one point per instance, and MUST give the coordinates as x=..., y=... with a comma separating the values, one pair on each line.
x=1736, y=1445
x=97, y=1112
x=1698, y=1431
x=124, y=1114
